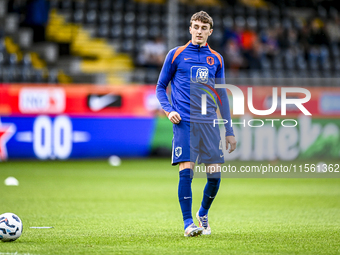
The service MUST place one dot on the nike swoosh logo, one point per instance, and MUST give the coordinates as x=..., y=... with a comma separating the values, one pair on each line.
x=97, y=103
x=211, y=197
x=187, y=58
x=221, y=156
x=187, y=197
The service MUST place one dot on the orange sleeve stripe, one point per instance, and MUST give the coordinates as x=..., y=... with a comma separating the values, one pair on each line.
x=178, y=51
x=216, y=54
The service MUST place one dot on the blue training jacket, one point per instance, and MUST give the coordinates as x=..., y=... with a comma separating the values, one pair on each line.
x=193, y=71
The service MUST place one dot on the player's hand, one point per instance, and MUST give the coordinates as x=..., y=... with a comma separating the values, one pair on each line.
x=174, y=117
x=232, y=141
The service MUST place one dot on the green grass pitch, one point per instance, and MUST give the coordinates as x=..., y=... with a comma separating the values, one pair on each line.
x=133, y=209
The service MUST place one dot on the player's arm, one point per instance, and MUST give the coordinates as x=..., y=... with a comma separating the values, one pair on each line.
x=165, y=77
x=225, y=109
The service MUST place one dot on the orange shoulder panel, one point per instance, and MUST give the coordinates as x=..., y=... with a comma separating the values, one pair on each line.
x=216, y=54
x=178, y=51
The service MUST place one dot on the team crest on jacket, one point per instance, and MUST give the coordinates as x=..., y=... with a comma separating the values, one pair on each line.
x=199, y=74
x=210, y=60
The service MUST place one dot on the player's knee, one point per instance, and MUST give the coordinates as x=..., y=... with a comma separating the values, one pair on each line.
x=185, y=165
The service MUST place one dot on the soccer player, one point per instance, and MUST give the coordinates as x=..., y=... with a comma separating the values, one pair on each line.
x=192, y=70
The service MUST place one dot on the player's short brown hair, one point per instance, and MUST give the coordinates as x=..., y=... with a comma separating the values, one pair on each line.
x=203, y=17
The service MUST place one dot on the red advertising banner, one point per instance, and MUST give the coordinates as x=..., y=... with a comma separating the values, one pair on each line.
x=78, y=100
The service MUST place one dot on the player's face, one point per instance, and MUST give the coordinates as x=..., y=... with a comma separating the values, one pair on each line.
x=199, y=32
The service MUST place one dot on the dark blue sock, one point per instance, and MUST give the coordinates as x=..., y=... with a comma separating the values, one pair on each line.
x=185, y=195
x=209, y=193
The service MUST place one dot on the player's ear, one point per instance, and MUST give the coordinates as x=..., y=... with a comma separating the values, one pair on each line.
x=210, y=32
x=190, y=30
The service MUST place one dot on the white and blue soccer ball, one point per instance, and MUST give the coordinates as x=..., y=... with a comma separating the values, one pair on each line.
x=10, y=227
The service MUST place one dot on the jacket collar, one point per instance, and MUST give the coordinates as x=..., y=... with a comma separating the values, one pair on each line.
x=192, y=46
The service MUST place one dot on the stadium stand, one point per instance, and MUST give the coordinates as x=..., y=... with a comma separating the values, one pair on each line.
x=100, y=41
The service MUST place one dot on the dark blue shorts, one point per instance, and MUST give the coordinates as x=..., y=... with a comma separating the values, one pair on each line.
x=196, y=141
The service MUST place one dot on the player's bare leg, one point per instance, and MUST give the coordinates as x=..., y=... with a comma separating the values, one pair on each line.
x=184, y=165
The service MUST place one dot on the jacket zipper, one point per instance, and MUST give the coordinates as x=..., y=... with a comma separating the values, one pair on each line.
x=199, y=56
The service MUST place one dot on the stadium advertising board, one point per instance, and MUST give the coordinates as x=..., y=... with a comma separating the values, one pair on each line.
x=56, y=122
x=307, y=130
x=50, y=122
